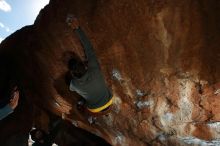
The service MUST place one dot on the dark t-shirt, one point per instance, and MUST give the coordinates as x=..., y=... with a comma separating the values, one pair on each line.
x=92, y=85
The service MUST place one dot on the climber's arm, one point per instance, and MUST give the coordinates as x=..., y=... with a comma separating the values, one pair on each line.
x=86, y=44
x=5, y=111
x=90, y=54
x=9, y=108
x=55, y=128
x=71, y=86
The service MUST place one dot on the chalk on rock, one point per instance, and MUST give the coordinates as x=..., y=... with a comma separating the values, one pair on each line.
x=140, y=93
x=144, y=104
x=91, y=120
x=116, y=75
x=217, y=92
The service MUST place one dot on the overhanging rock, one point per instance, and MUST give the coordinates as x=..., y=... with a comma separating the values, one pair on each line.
x=160, y=58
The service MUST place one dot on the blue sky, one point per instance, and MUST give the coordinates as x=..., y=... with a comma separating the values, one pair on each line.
x=15, y=14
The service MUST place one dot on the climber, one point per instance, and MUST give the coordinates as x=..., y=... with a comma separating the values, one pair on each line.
x=42, y=138
x=8, y=104
x=87, y=79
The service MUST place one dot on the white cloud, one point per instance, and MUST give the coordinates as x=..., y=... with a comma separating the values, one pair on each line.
x=4, y=6
x=2, y=25
x=7, y=29
x=1, y=39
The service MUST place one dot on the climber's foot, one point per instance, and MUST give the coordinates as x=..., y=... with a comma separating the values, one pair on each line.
x=81, y=104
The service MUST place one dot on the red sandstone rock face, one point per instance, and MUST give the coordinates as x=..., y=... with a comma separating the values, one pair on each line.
x=160, y=58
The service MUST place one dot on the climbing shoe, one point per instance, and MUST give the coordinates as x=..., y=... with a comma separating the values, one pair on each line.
x=81, y=104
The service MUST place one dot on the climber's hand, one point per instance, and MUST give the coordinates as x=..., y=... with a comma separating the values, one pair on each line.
x=72, y=22
x=14, y=100
x=75, y=23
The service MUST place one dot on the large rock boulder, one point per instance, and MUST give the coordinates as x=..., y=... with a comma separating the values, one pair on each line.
x=160, y=58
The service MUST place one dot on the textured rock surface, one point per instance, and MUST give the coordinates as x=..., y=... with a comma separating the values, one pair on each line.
x=160, y=58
